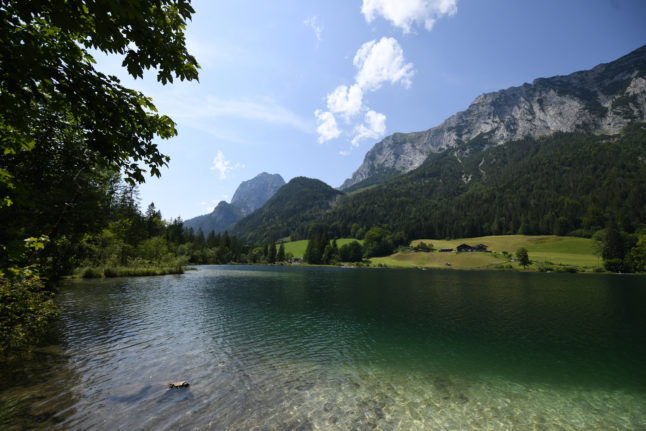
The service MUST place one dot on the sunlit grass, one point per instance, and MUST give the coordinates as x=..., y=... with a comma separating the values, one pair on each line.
x=439, y=260
x=127, y=271
x=547, y=252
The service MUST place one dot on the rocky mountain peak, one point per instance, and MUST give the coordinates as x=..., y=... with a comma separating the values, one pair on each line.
x=601, y=100
x=252, y=194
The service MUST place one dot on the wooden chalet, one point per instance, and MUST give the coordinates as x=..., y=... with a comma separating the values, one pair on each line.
x=462, y=248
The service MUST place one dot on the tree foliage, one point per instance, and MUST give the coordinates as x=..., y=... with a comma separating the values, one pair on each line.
x=26, y=309
x=280, y=256
x=68, y=131
x=523, y=257
x=47, y=75
x=315, y=249
x=351, y=252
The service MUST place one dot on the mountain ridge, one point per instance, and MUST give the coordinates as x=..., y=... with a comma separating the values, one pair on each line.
x=604, y=99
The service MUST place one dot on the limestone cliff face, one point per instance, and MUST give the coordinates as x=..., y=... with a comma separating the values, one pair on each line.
x=602, y=100
x=252, y=194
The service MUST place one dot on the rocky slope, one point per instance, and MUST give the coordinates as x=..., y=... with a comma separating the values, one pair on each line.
x=601, y=100
x=249, y=196
x=253, y=194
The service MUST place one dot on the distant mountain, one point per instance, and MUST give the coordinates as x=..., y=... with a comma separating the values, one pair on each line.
x=249, y=196
x=602, y=100
x=221, y=219
x=297, y=203
x=253, y=194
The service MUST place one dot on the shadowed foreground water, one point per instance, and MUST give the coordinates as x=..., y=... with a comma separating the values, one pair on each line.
x=306, y=348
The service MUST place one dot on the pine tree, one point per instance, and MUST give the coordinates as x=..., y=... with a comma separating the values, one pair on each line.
x=271, y=256
x=211, y=240
x=280, y=257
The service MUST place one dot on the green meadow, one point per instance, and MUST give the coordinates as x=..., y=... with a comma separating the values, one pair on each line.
x=547, y=253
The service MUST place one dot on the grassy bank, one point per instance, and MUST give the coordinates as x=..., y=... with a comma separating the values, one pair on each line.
x=127, y=271
x=547, y=253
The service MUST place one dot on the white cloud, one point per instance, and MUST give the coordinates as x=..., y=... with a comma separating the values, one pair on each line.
x=345, y=101
x=327, y=127
x=373, y=128
x=406, y=13
x=223, y=166
x=313, y=22
x=379, y=62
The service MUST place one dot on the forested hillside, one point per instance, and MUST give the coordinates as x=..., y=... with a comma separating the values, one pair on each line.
x=568, y=183
x=289, y=212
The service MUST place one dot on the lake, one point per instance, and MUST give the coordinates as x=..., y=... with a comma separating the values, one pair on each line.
x=329, y=348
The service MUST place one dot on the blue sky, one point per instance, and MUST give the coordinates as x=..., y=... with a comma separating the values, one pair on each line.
x=300, y=87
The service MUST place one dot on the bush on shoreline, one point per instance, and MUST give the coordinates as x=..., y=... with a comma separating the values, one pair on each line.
x=26, y=310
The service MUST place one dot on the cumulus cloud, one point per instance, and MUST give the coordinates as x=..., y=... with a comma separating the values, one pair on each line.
x=406, y=13
x=345, y=101
x=327, y=128
x=379, y=62
x=223, y=166
x=373, y=127
x=313, y=23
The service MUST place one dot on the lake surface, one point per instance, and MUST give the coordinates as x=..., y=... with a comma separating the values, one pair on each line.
x=326, y=348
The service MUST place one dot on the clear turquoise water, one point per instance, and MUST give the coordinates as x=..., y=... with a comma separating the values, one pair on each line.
x=310, y=348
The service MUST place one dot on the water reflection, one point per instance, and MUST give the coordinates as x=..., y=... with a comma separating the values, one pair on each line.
x=306, y=348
